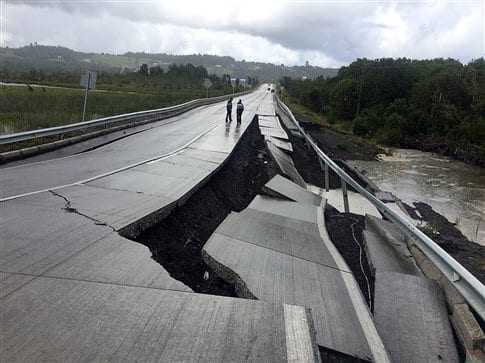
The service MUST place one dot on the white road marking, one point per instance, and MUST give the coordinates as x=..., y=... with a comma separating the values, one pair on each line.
x=299, y=345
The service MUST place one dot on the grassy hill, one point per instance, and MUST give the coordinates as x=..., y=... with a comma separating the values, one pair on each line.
x=60, y=59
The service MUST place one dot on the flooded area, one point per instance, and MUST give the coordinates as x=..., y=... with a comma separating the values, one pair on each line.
x=454, y=189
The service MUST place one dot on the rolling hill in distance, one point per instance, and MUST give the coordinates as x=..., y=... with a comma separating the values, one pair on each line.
x=61, y=59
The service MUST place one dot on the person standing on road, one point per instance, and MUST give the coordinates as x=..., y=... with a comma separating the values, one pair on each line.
x=229, y=110
x=239, y=110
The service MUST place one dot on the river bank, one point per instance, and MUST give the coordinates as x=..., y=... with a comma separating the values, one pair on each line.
x=428, y=186
x=470, y=154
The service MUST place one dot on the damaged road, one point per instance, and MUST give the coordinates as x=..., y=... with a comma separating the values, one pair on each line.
x=176, y=241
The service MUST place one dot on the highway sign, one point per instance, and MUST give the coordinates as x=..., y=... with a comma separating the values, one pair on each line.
x=88, y=79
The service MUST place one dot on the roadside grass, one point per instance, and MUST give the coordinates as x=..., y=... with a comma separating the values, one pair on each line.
x=22, y=109
x=305, y=114
x=350, y=140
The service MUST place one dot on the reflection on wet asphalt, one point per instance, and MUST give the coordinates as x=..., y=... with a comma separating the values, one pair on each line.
x=454, y=189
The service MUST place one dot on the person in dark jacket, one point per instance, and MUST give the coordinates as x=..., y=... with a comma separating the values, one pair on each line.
x=239, y=111
x=229, y=110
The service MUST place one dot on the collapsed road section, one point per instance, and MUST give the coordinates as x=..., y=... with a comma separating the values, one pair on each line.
x=242, y=269
x=73, y=287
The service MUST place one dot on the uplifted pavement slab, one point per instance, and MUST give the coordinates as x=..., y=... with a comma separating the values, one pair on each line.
x=170, y=181
x=268, y=121
x=117, y=260
x=280, y=186
x=288, y=123
x=223, y=138
x=285, y=163
x=386, y=250
x=358, y=204
x=274, y=132
x=65, y=320
x=284, y=145
x=277, y=233
x=170, y=177
x=284, y=208
x=383, y=256
x=278, y=278
x=411, y=318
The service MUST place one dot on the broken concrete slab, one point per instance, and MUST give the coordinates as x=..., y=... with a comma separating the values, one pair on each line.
x=192, y=157
x=281, y=187
x=411, y=318
x=277, y=278
x=284, y=208
x=285, y=164
x=291, y=237
x=383, y=255
x=388, y=230
x=274, y=132
x=269, y=121
x=288, y=123
x=467, y=328
x=116, y=260
x=68, y=320
x=284, y=145
x=358, y=204
x=173, y=180
x=222, y=139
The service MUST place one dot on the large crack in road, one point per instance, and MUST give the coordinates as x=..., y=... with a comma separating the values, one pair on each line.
x=176, y=241
x=70, y=209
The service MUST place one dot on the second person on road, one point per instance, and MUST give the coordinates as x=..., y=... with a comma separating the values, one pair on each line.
x=239, y=110
x=229, y=110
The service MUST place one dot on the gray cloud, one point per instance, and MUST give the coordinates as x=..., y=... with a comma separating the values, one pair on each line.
x=327, y=33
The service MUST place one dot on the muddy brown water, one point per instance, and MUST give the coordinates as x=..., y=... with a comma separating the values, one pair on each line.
x=454, y=189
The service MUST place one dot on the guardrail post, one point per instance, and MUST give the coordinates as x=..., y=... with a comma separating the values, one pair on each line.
x=345, y=196
x=324, y=167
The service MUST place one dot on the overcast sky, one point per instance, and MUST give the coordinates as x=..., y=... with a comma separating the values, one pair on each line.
x=326, y=33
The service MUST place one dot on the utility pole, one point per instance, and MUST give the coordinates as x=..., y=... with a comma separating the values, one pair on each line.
x=89, y=82
x=86, y=95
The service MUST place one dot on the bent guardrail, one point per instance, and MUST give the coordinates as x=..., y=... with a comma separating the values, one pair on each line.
x=468, y=285
x=129, y=119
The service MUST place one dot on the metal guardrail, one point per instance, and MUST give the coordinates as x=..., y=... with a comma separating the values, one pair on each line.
x=468, y=285
x=129, y=119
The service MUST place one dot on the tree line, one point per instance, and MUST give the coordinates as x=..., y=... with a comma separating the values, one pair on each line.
x=402, y=102
x=150, y=79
